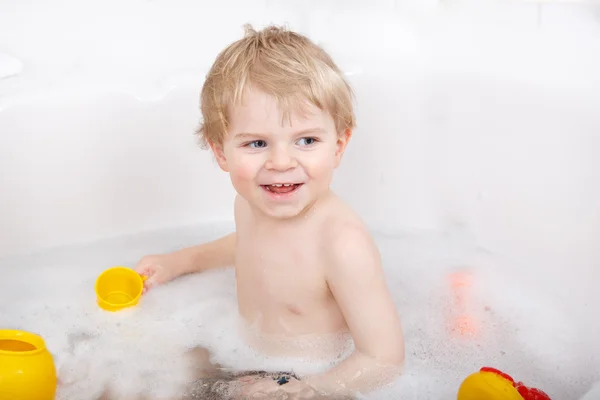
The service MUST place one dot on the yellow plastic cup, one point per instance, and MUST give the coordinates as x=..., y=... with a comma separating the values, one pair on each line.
x=27, y=369
x=118, y=288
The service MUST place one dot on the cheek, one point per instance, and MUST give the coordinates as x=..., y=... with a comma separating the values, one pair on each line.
x=243, y=170
x=321, y=167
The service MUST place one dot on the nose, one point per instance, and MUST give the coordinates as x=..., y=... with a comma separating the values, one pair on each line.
x=280, y=159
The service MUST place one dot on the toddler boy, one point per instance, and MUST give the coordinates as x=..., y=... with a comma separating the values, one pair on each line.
x=278, y=114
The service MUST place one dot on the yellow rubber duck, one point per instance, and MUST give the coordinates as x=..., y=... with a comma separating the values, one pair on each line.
x=492, y=384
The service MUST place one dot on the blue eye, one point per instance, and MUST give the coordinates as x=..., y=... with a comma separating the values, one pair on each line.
x=307, y=141
x=257, y=144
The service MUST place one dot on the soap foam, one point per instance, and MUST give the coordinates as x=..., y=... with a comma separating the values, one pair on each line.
x=512, y=324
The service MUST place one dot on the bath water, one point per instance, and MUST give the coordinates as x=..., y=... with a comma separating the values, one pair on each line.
x=462, y=308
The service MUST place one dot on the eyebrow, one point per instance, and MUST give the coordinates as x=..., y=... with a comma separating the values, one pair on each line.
x=246, y=135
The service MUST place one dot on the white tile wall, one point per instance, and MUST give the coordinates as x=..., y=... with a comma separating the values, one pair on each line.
x=477, y=114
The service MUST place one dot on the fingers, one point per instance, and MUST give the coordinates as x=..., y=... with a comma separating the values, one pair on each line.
x=143, y=266
x=146, y=268
x=260, y=387
x=150, y=281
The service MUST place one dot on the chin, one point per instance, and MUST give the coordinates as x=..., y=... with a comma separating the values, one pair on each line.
x=283, y=212
x=282, y=209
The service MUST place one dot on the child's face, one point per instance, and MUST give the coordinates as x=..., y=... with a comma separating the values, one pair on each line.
x=281, y=169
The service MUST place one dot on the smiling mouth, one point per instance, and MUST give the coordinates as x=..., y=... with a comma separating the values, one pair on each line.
x=282, y=188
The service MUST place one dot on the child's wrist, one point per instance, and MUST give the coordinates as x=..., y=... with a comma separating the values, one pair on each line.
x=187, y=263
x=323, y=385
x=196, y=259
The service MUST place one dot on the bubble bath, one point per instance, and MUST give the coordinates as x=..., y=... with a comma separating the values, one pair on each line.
x=452, y=327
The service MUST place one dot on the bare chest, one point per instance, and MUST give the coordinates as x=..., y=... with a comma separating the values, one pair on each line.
x=278, y=270
x=281, y=282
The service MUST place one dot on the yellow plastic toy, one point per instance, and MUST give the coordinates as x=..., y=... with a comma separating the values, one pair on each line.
x=27, y=369
x=118, y=288
x=492, y=384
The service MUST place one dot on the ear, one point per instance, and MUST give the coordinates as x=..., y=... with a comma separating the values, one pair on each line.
x=217, y=150
x=342, y=142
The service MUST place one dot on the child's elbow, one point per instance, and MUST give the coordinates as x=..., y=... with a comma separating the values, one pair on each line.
x=396, y=358
x=390, y=356
x=391, y=366
x=394, y=354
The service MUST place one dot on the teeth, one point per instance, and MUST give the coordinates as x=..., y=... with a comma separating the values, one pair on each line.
x=287, y=184
x=281, y=184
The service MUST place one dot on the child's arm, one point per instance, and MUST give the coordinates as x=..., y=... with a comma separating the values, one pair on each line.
x=165, y=267
x=358, y=284
x=216, y=254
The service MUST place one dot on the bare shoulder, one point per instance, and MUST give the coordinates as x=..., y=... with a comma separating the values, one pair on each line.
x=348, y=242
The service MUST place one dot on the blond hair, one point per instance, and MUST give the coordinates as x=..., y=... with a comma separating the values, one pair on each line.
x=281, y=63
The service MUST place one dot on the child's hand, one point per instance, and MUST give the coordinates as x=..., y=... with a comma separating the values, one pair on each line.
x=161, y=268
x=265, y=388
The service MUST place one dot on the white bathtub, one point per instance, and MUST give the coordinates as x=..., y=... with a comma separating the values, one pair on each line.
x=477, y=145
